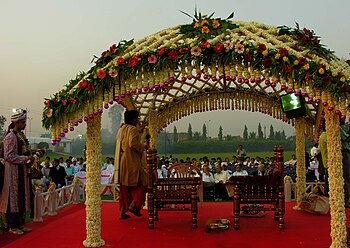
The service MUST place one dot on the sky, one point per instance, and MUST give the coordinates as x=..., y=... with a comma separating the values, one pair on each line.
x=45, y=43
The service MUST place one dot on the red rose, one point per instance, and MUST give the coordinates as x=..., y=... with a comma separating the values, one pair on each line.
x=248, y=58
x=344, y=88
x=112, y=49
x=283, y=52
x=73, y=101
x=82, y=84
x=172, y=55
x=91, y=87
x=287, y=69
x=205, y=45
x=302, y=60
x=101, y=74
x=267, y=62
x=218, y=48
x=47, y=103
x=64, y=102
x=103, y=54
x=133, y=61
x=161, y=51
x=307, y=77
x=326, y=80
x=120, y=61
x=183, y=50
x=261, y=47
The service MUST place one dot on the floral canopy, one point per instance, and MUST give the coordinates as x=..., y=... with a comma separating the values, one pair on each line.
x=206, y=65
x=214, y=63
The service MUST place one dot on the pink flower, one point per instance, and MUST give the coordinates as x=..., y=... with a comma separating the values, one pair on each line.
x=113, y=73
x=183, y=50
x=239, y=49
x=196, y=51
x=101, y=74
x=49, y=113
x=228, y=45
x=152, y=59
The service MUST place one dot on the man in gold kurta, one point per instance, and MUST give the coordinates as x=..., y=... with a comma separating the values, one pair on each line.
x=129, y=172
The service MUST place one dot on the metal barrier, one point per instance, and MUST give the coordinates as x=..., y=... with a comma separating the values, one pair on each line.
x=50, y=202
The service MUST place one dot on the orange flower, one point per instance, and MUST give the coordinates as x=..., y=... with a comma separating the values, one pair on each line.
x=49, y=113
x=205, y=29
x=215, y=23
x=197, y=25
x=204, y=22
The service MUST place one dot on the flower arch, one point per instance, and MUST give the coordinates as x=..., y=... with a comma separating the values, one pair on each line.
x=209, y=64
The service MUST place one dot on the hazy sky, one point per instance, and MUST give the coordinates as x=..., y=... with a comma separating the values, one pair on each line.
x=45, y=43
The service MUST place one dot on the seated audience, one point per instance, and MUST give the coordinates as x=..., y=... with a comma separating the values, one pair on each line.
x=239, y=171
x=58, y=174
x=207, y=177
x=220, y=177
x=70, y=171
x=291, y=162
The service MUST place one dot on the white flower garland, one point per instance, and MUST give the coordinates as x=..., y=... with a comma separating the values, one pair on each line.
x=336, y=181
x=93, y=176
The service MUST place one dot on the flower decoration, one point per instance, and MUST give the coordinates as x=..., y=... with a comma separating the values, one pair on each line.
x=152, y=59
x=308, y=39
x=49, y=113
x=196, y=51
x=239, y=48
x=113, y=73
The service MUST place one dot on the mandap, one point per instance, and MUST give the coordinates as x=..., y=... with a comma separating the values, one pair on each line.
x=210, y=64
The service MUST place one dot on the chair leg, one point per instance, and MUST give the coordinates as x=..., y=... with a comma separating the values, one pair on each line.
x=150, y=204
x=194, y=209
x=155, y=217
x=236, y=208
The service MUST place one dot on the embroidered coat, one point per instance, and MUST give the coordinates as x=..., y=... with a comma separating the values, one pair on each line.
x=128, y=158
x=14, y=176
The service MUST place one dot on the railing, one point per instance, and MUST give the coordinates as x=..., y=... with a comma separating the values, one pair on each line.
x=50, y=202
x=290, y=189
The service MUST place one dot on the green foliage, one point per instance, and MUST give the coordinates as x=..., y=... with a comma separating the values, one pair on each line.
x=260, y=132
x=220, y=135
x=189, y=132
x=175, y=135
x=204, y=132
x=245, y=132
x=42, y=145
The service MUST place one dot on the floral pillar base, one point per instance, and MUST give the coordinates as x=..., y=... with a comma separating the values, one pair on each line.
x=93, y=177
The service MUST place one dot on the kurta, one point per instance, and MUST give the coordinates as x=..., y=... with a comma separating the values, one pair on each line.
x=128, y=158
x=15, y=189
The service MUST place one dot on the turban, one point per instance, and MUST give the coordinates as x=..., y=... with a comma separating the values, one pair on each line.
x=19, y=115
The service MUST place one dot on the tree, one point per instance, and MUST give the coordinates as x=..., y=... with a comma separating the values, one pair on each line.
x=204, y=132
x=220, y=133
x=260, y=132
x=245, y=132
x=189, y=132
x=175, y=137
x=115, y=114
x=283, y=135
x=252, y=135
x=42, y=145
x=2, y=124
x=272, y=133
x=196, y=136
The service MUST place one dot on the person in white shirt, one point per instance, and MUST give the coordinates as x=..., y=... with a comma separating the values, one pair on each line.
x=241, y=152
x=220, y=177
x=239, y=171
x=207, y=177
x=75, y=165
x=47, y=161
x=291, y=162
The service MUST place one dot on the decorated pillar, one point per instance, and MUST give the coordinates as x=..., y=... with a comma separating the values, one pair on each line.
x=93, y=177
x=300, y=154
x=336, y=181
x=153, y=127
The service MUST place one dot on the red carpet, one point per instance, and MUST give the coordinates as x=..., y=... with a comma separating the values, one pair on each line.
x=174, y=230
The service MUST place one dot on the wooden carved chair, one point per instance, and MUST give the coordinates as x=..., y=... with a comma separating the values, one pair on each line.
x=260, y=193
x=178, y=192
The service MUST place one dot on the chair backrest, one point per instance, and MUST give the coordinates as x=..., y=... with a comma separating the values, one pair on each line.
x=106, y=176
x=81, y=175
x=183, y=170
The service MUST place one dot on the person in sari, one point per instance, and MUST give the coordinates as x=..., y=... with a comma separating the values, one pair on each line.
x=15, y=193
x=129, y=170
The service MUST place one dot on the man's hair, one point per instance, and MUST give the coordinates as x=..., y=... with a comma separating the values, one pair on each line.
x=130, y=116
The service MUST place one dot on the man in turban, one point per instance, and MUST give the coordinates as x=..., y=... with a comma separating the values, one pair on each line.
x=15, y=193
